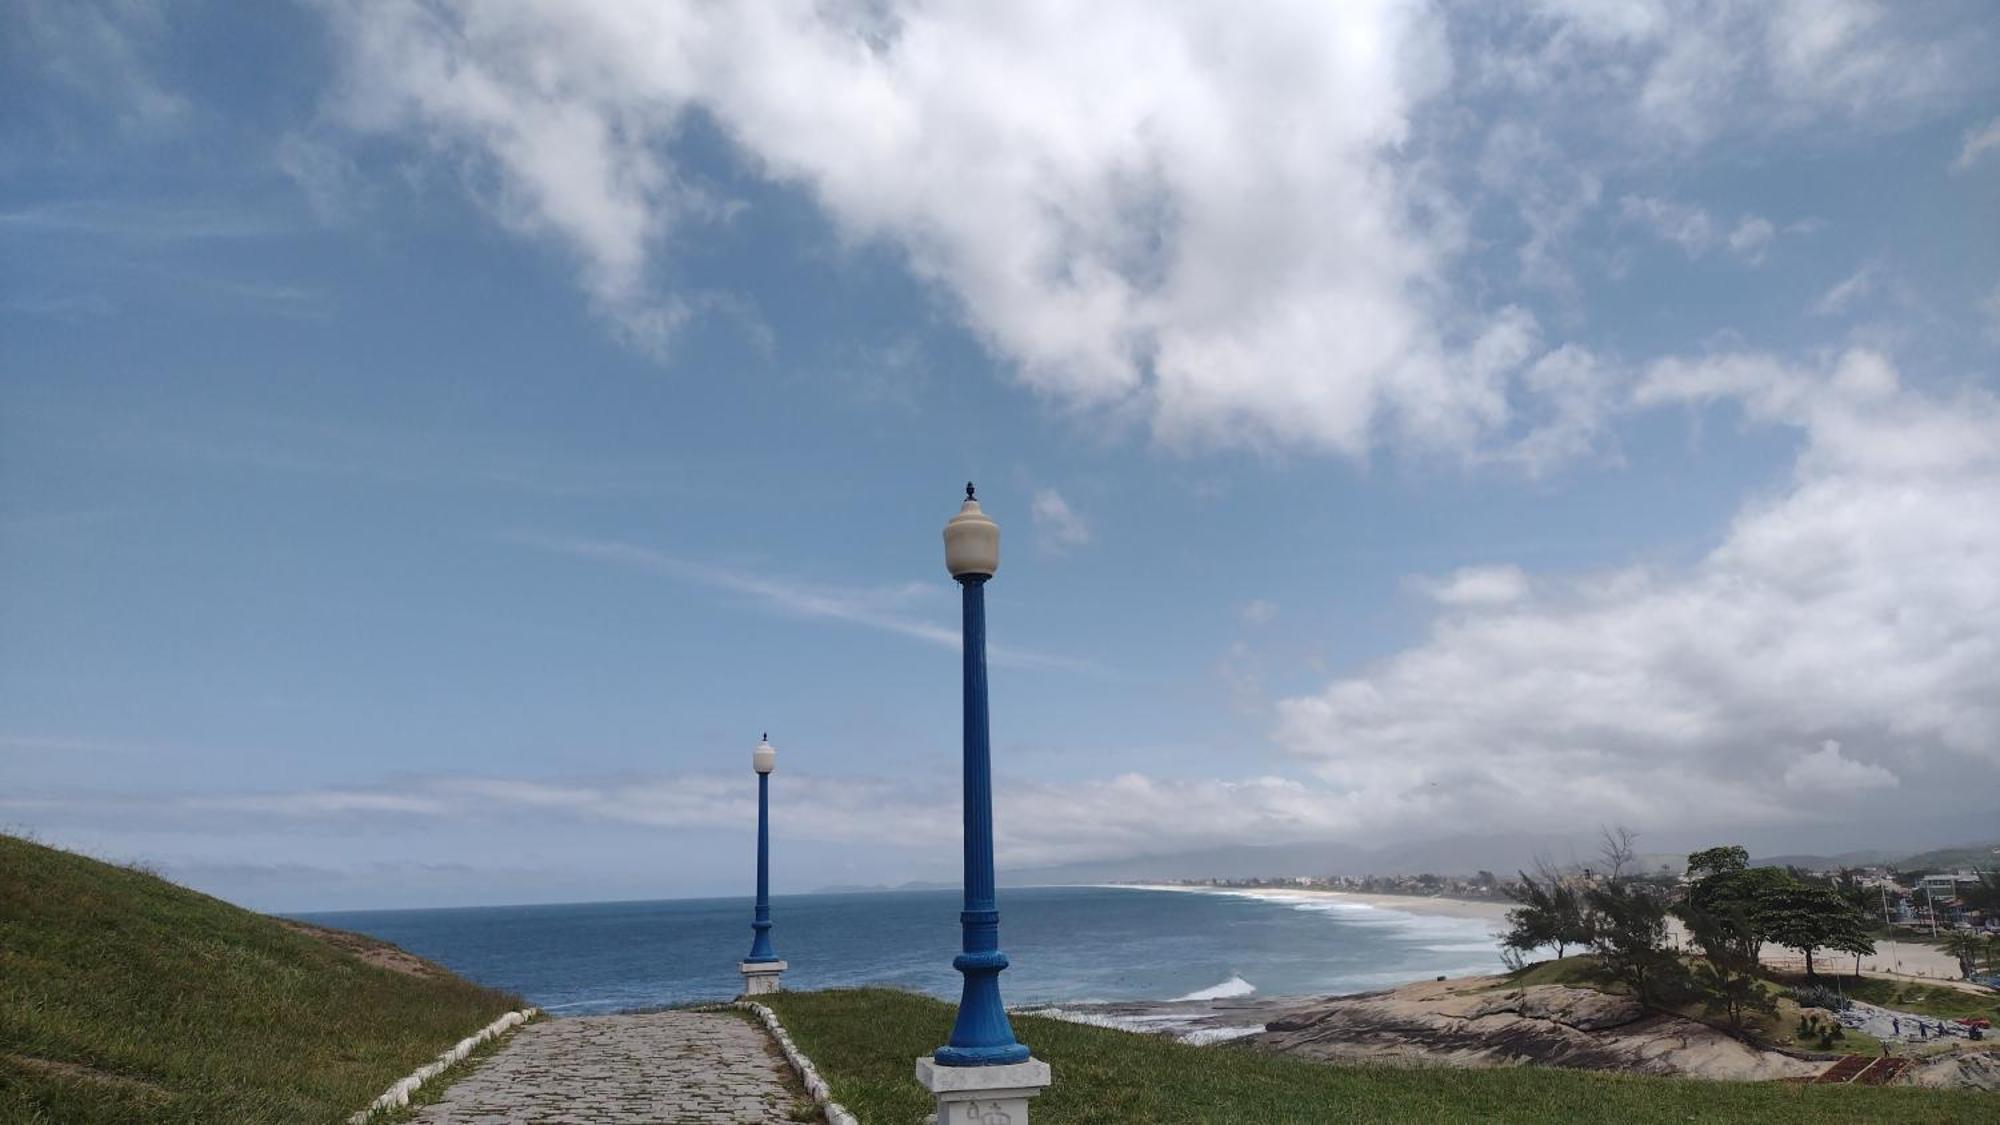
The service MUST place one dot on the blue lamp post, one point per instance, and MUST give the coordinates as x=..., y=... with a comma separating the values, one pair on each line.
x=982, y=1068
x=762, y=970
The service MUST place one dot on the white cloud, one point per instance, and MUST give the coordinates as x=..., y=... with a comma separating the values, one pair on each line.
x=1686, y=226
x=1685, y=73
x=1478, y=586
x=1215, y=218
x=1858, y=605
x=889, y=610
x=1828, y=770
x=102, y=50
x=1695, y=231
x=1978, y=142
x=1035, y=822
x=1855, y=286
x=1057, y=527
x=1258, y=611
x=1751, y=238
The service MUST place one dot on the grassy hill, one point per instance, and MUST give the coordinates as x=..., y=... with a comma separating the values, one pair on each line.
x=126, y=998
x=865, y=1042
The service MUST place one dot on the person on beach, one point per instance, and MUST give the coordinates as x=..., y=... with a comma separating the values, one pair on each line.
x=1896, y=1026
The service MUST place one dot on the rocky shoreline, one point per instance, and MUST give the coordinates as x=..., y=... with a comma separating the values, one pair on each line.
x=1489, y=1021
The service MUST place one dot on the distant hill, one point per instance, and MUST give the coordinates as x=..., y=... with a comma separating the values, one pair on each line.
x=126, y=998
x=1985, y=857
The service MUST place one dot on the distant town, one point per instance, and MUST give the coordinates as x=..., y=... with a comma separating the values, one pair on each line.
x=1910, y=899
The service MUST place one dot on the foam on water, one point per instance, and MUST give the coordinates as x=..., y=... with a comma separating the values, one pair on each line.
x=1234, y=986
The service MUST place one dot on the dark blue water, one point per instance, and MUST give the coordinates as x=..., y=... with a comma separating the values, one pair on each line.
x=1067, y=944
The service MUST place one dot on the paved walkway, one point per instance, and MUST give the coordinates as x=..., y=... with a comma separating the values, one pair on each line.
x=697, y=1068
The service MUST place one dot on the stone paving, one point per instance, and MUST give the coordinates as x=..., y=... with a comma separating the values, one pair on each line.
x=697, y=1068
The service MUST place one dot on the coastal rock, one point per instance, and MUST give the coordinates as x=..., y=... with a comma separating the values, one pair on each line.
x=1480, y=1022
x=1963, y=1069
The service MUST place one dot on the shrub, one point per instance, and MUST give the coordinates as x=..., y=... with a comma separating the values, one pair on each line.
x=1818, y=996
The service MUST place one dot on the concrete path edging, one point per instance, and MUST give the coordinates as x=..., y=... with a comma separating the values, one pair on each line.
x=399, y=1094
x=822, y=1094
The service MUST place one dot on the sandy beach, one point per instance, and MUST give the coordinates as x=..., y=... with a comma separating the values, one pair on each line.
x=1891, y=958
x=1485, y=910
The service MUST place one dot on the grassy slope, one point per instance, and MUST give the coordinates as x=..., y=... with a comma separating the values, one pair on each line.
x=866, y=1041
x=126, y=998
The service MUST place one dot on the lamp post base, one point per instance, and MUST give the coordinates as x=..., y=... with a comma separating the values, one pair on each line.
x=983, y=1095
x=760, y=977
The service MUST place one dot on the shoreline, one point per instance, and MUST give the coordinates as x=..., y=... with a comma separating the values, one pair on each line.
x=1436, y=906
x=1894, y=960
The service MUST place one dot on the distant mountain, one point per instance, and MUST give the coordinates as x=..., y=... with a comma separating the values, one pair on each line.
x=1807, y=862
x=1985, y=857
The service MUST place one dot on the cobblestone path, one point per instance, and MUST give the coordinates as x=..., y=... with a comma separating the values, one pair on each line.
x=697, y=1068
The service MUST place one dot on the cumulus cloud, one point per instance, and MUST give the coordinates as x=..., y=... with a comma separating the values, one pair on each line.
x=1057, y=527
x=1858, y=605
x=1217, y=218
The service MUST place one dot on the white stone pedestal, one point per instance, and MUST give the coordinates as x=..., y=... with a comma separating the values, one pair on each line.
x=983, y=1095
x=760, y=977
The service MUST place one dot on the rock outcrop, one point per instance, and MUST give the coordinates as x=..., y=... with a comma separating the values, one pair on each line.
x=1473, y=1023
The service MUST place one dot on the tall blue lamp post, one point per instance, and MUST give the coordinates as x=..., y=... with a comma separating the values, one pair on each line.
x=982, y=1074
x=762, y=970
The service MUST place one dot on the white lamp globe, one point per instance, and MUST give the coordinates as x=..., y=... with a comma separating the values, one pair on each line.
x=764, y=758
x=971, y=540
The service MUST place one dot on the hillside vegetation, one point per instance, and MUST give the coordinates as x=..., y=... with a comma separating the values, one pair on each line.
x=865, y=1042
x=126, y=998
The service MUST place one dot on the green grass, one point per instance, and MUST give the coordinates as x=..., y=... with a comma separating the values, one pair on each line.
x=1578, y=969
x=865, y=1042
x=125, y=998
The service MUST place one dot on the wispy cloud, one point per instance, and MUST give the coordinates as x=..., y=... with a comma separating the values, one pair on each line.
x=1849, y=290
x=886, y=609
x=144, y=220
x=1058, y=527
x=1978, y=143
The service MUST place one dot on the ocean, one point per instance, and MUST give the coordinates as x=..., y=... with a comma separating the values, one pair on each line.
x=1067, y=944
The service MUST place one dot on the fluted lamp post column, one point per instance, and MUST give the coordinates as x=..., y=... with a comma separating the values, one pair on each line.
x=762, y=970
x=982, y=1075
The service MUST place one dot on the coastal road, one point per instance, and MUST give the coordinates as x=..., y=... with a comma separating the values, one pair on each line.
x=701, y=1068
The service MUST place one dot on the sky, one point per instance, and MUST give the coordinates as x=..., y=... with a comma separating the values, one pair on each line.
x=437, y=439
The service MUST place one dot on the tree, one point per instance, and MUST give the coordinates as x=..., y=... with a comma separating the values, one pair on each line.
x=1730, y=889
x=1964, y=945
x=1551, y=913
x=1726, y=975
x=1982, y=895
x=1717, y=861
x=1618, y=848
x=1629, y=936
x=1808, y=917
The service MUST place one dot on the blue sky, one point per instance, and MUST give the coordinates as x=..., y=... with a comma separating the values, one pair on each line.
x=437, y=439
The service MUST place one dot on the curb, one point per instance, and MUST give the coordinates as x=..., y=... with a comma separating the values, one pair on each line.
x=399, y=1094
x=836, y=1114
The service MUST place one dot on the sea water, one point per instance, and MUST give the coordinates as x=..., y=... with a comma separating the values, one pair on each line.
x=1068, y=945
